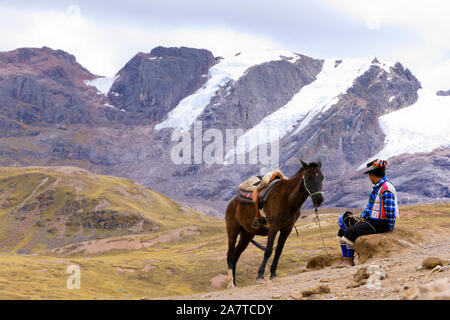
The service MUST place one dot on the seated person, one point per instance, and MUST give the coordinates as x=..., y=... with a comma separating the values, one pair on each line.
x=378, y=216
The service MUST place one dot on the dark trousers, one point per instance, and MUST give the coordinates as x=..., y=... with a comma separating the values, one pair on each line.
x=362, y=228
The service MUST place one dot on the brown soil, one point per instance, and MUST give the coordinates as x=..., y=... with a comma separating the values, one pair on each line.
x=378, y=245
x=126, y=243
x=323, y=261
x=403, y=267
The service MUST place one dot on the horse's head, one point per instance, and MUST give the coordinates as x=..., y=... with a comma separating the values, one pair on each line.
x=312, y=181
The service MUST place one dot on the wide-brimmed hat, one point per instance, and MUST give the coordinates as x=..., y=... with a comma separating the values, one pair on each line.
x=375, y=165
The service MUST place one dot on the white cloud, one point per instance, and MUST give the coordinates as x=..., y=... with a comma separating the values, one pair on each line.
x=104, y=47
x=428, y=56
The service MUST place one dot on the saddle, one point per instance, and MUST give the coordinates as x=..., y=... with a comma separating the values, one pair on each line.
x=256, y=190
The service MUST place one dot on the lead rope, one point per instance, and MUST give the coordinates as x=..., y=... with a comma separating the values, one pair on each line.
x=358, y=220
x=320, y=229
x=317, y=212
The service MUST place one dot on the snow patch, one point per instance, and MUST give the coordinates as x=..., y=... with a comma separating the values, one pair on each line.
x=109, y=106
x=102, y=84
x=231, y=68
x=311, y=100
x=421, y=127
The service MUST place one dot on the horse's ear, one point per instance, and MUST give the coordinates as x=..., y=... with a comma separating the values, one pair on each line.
x=304, y=164
x=319, y=164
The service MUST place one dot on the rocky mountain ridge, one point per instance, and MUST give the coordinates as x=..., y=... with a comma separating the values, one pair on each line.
x=55, y=112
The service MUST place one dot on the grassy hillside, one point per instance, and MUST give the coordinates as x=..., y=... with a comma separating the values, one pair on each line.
x=131, y=242
x=48, y=207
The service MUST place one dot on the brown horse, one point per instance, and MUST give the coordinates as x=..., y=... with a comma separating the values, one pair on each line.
x=282, y=209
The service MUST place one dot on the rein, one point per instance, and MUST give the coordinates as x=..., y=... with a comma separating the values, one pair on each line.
x=316, y=212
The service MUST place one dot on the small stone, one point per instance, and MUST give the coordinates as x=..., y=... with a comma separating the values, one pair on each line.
x=406, y=243
x=354, y=285
x=324, y=289
x=444, y=268
x=432, y=262
x=304, y=270
x=296, y=295
x=307, y=293
x=361, y=274
x=317, y=290
x=437, y=268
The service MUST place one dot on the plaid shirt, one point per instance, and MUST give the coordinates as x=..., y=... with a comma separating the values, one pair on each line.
x=388, y=203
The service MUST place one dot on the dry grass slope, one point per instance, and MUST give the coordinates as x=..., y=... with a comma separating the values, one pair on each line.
x=131, y=242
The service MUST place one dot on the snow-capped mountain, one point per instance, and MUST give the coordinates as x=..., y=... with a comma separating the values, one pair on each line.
x=226, y=70
x=343, y=112
x=421, y=127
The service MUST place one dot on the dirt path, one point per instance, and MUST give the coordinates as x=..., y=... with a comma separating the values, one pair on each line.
x=403, y=278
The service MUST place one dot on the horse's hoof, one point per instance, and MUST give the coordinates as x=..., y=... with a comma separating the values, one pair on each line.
x=273, y=278
x=260, y=281
x=231, y=285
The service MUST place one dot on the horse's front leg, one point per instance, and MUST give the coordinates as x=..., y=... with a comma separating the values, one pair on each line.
x=284, y=234
x=269, y=247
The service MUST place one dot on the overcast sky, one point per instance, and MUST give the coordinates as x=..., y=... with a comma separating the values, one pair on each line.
x=104, y=35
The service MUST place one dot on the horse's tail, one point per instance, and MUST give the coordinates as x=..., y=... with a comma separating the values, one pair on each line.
x=258, y=245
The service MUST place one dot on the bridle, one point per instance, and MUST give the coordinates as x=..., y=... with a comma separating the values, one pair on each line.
x=307, y=190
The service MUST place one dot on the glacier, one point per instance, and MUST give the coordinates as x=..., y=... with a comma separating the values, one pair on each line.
x=421, y=127
x=231, y=68
x=317, y=97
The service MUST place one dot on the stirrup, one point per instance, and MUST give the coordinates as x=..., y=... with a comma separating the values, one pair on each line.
x=258, y=221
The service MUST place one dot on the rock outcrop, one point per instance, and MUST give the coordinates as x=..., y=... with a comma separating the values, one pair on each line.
x=152, y=84
x=443, y=93
x=42, y=87
x=383, y=244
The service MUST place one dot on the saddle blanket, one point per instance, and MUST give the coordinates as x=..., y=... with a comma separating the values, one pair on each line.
x=257, y=188
x=258, y=182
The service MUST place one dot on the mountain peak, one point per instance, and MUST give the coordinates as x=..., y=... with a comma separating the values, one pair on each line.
x=40, y=60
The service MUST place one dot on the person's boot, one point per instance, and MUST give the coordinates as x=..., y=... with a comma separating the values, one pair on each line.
x=347, y=258
x=345, y=262
x=258, y=222
x=344, y=254
x=348, y=261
